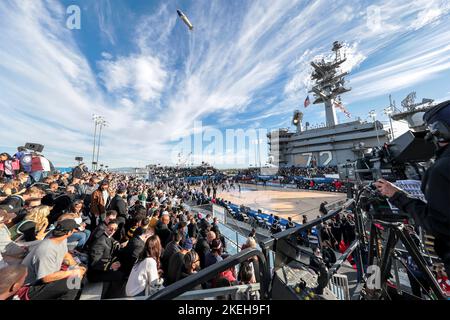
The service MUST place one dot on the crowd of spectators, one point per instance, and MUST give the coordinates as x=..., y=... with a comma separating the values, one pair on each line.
x=61, y=231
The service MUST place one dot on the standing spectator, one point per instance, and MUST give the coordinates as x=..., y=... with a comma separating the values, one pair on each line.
x=193, y=228
x=162, y=229
x=99, y=202
x=176, y=262
x=172, y=247
x=9, y=167
x=119, y=204
x=247, y=276
x=203, y=246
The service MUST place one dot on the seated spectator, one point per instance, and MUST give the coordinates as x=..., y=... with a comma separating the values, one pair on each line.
x=215, y=255
x=11, y=281
x=104, y=266
x=145, y=278
x=176, y=262
x=81, y=235
x=45, y=280
x=33, y=227
x=100, y=229
x=15, y=203
x=131, y=225
x=290, y=224
x=134, y=248
x=11, y=252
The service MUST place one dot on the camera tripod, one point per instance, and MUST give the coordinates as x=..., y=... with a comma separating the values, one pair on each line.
x=386, y=257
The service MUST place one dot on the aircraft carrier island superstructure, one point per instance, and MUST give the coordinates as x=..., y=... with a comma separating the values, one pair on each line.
x=333, y=143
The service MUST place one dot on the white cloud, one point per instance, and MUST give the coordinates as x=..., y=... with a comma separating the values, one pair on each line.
x=107, y=56
x=143, y=74
x=238, y=55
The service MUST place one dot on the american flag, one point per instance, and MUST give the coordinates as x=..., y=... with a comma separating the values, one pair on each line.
x=307, y=102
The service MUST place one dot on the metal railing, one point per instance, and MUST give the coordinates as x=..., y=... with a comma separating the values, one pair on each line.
x=180, y=287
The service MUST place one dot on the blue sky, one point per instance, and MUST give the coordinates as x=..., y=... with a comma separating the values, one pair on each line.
x=245, y=65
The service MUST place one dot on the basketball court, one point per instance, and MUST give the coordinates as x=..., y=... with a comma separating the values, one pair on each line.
x=282, y=202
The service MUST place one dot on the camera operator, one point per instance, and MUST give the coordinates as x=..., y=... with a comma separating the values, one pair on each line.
x=433, y=215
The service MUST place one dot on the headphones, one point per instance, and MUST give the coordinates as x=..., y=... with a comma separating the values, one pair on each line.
x=439, y=130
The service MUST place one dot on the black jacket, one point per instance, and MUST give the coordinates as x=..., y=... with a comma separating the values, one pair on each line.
x=171, y=248
x=433, y=215
x=164, y=234
x=202, y=248
x=193, y=230
x=102, y=253
x=120, y=205
x=97, y=233
x=129, y=255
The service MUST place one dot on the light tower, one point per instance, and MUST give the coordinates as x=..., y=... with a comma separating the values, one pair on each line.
x=329, y=83
x=297, y=120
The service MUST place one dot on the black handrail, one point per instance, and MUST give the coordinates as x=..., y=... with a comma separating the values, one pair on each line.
x=178, y=288
x=269, y=244
x=338, y=264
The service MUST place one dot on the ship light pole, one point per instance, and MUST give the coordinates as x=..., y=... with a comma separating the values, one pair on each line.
x=102, y=122
x=373, y=115
x=389, y=111
x=96, y=120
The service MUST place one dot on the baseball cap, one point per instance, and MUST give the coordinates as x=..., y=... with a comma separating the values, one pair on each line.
x=187, y=244
x=65, y=226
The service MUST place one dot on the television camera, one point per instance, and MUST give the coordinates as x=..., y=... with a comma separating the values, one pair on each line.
x=402, y=159
x=379, y=223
